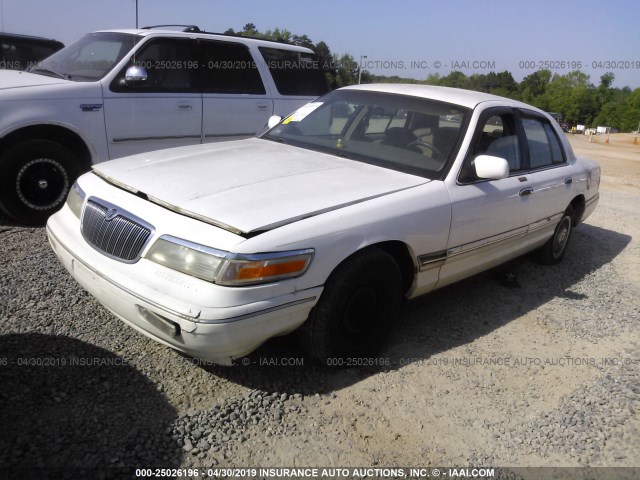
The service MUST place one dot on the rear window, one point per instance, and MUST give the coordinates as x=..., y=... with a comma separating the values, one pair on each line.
x=295, y=73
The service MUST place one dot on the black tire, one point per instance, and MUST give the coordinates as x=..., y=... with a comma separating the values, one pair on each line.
x=552, y=252
x=357, y=310
x=35, y=177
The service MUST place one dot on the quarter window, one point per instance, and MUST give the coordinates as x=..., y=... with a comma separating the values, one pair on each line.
x=295, y=73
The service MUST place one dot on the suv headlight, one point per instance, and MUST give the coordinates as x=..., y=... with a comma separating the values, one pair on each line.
x=75, y=199
x=224, y=268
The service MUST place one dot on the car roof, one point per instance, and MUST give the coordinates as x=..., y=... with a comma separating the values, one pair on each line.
x=19, y=36
x=145, y=32
x=458, y=96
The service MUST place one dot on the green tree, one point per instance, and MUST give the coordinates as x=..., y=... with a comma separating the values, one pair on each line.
x=250, y=30
x=534, y=87
x=302, y=41
x=573, y=96
x=346, y=70
x=630, y=112
x=278, y=35
x=455, y=79
x=611, y=113
x=432, y=79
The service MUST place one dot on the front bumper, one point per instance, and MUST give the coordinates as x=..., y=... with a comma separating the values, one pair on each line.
x=159, y=311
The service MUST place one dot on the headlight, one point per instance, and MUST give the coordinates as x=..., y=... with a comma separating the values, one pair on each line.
x=75, y=200
x=224, y=268
x=186, y=257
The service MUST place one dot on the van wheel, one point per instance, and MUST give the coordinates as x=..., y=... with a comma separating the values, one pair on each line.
x=357, y=310
x=552, y=252
x=35, y=177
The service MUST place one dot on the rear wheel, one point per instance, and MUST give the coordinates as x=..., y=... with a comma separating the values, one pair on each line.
x=552, y=252
x=356, y=311
x=35, y=177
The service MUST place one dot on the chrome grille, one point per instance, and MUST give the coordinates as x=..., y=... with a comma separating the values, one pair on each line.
x=113, y=231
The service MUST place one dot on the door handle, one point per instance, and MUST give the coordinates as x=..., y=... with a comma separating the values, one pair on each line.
x=526, y=191
x=184, y=106
x=262, y=106
x=568, y=181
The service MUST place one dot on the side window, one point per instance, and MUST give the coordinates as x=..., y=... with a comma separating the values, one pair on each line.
x=496, y=136
x=295, y=73
x=543, y=144
x=229, y=68
x=170, y=64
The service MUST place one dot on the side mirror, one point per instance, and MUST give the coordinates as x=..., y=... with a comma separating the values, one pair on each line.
x=273, y=121
x=135, y=74
x=491, y=167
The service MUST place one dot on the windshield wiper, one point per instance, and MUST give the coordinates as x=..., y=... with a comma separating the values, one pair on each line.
x=51, y=73
x=275, y=139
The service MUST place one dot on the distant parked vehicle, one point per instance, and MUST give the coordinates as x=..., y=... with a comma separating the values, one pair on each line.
x=21, y=52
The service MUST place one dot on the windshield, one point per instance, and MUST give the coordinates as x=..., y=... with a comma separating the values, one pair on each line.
x=400, y=132
x=89, y=59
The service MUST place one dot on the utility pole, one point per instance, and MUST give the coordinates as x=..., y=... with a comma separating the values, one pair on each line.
x=360, y=69
x=136, y=13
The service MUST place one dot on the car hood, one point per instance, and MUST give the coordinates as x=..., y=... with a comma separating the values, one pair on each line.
x=17, y=79
x=252, y=185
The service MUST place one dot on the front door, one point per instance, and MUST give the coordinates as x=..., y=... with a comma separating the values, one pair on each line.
x=490, y=218
x=163, y=111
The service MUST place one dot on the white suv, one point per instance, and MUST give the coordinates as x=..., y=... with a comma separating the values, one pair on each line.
x=120, y=92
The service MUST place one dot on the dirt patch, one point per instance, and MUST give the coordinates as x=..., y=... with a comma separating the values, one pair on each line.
x=618, y=155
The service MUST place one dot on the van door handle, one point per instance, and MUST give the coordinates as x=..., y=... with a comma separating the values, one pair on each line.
x=568, y=181
x=183, y=106
x=526, y=191
x=262, y=106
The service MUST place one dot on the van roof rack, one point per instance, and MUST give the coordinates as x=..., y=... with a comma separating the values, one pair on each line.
x=185, y=28
x=196, y=29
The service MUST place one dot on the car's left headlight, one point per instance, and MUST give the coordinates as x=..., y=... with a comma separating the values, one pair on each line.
x=75, y=199
x=224, y=268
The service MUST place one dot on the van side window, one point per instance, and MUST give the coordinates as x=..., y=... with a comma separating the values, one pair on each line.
x=229, y=68
x=169, y=65
x=295, y=73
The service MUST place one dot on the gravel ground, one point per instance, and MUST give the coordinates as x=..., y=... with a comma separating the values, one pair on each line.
x=538, y=372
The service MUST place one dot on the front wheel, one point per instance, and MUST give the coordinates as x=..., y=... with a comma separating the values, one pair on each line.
x=552, y=252
x=357, y=310
x=35, y=177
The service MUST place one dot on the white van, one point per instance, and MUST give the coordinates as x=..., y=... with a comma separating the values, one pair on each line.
x=120, y=92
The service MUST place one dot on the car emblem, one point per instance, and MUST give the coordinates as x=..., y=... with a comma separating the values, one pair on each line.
x=111, y=214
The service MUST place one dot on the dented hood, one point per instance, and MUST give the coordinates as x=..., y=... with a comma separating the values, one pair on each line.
x=252, y=185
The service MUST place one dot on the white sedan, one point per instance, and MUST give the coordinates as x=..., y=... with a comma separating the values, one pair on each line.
x=368, y=196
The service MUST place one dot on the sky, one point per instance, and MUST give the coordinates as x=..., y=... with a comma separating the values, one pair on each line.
x=409, y=38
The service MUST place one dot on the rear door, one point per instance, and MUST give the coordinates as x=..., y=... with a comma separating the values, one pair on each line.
x=235, y=101
x=548, y=173
x=161, y=112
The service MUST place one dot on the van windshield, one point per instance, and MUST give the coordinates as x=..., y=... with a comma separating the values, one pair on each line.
x=89, y=59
